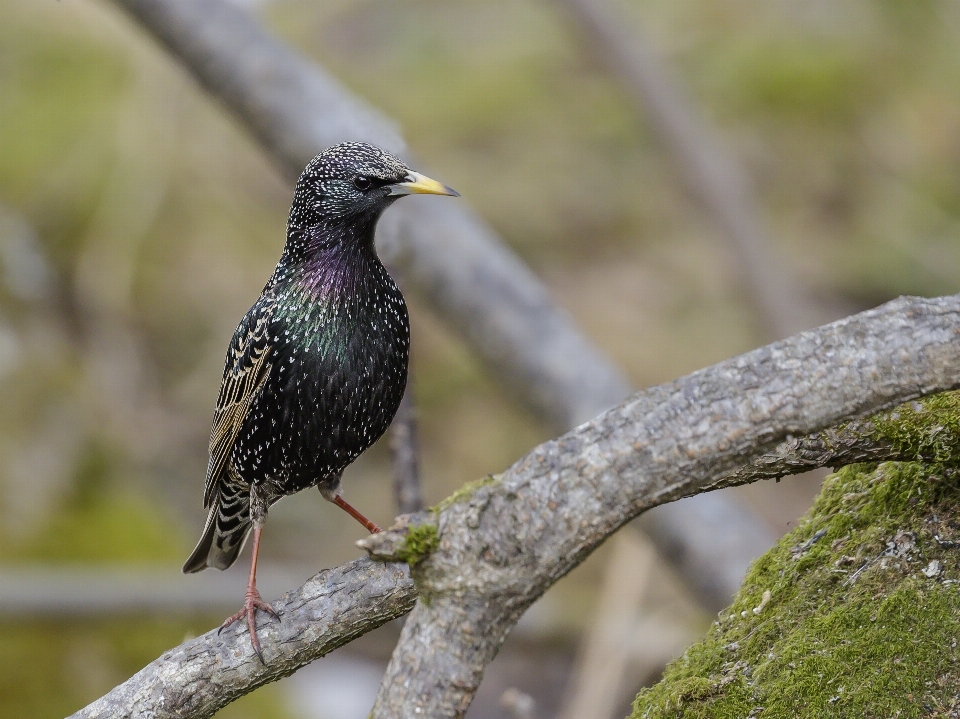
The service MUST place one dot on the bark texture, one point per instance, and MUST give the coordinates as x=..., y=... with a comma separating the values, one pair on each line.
x=500, y=546
x=205, y=674
x=485, y=554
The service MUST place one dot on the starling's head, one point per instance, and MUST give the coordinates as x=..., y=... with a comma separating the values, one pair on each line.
x=353, y=182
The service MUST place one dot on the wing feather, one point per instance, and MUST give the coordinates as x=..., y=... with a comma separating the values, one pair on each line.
x=246, y=369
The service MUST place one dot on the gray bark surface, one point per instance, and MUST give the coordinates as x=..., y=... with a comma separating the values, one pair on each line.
x=443, y=251
x=503, y=545
x=499, y=545
x=854, y=441
x=205, y=674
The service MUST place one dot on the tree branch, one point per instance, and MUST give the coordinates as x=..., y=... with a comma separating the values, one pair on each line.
x=501, y=546
x=406, y=462
x=859, y=440
x=488, y=552
x=205, y=674
x=446, y=253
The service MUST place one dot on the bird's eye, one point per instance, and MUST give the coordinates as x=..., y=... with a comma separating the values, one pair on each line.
x=363, y=183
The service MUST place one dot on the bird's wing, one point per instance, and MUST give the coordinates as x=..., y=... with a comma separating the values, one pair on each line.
x=245, y=371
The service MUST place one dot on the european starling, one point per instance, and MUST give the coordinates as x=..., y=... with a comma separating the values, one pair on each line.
x=317, y=367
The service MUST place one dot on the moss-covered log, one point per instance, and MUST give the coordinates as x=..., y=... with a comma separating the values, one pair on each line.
x=856, y=613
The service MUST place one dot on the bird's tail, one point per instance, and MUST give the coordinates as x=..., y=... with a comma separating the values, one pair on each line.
x=225, y=532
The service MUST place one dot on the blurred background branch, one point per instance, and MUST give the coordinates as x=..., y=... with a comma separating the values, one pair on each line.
x=447, y=254
x=405, y=448
x=701, y=161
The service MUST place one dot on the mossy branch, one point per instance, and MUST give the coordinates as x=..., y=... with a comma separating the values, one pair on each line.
x=926, y=430
x=409, y=540
x=854, y=613
x=413, y=536
x=504, y=544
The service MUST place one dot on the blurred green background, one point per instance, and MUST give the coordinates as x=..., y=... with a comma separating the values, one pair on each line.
x=138, y=222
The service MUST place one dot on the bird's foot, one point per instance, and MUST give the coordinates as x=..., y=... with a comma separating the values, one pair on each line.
x=252, y=601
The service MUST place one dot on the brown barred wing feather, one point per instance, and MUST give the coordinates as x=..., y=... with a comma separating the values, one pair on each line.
x=245, y=372
x=226, y=495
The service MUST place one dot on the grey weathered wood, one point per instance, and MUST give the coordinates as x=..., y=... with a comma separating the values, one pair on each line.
x=503, y=545
x=205, y=674
x=856, y=441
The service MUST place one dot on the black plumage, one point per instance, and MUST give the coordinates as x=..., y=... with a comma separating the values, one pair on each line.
x=317, y=367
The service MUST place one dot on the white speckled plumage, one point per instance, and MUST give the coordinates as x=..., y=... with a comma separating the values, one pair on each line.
x=317, y=367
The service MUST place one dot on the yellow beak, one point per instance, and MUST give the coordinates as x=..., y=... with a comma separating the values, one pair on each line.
x=418, y=184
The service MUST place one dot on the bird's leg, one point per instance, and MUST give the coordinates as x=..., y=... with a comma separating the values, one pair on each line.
x=349, y=509
x=252, y=601
x=332, y=494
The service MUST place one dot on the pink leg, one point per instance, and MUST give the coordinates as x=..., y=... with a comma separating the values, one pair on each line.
x=252, y=601
x=346, y=507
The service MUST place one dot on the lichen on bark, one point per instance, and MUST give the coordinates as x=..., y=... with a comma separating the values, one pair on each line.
x=863, y=613
x=421, y=539
x=465, y=492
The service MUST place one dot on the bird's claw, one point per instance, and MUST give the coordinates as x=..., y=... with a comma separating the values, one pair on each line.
x=251, y=603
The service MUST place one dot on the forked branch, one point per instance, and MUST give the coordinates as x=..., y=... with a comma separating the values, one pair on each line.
x=500, y=547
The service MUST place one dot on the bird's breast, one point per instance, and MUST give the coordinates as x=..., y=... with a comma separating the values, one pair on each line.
x=341, y=370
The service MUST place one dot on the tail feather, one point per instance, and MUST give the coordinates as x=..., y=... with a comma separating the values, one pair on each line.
x=224, y=534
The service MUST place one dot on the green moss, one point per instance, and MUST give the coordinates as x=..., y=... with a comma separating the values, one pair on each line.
x=465, y=492
x=928, y=429
x=853, y=627
x=421, y=540
x=691, y=689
